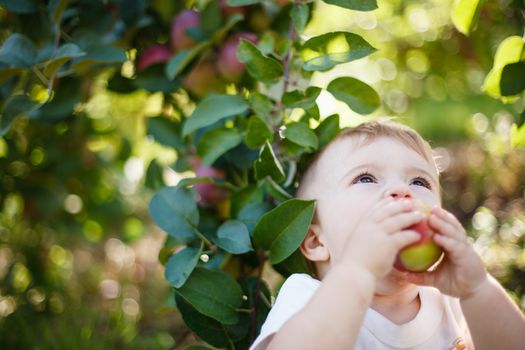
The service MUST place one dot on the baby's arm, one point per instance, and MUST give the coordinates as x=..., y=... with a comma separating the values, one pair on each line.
x=333, y=317
x=494, y=321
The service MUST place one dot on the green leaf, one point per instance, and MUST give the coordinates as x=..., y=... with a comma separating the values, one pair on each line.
x=214, y=294
x=56, y=8
x=211, y=18
x=216, y=142
x=64, y=54
x=512, y=79
x=154, y=179
x=268, y=164
x=243, y=197
x=517, y=136
x=360, y=97
x=20, y=6
x=328, y=50
x=311, y=113
x=258, y=132
x=99, y=54
x=302, y=135
x=208, y=329
x=7, y=73
x=233, y=237
x=180, y=265
x=132, y=11
x=63, y=103
x=251, y=213
x=295, y=263
x=18, y=51
x=261, y=105
x=175, y=211
x=359, y=5
x=266, y=43
x=277, y=192
x=299, y=99
x=153, y=79
x=212, y=109
x=510, y=50
x=300, y=14
x=15, y=106
x=328, y=130
x=242, y=2
x=465, y=14
x=165, y=131
x=282, y=230
x=189, y=181
x=122, y=85
x=259, y=66
x=183, y=58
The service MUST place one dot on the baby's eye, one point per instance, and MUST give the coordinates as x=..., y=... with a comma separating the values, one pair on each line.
x=364, y=178
x=421, y=181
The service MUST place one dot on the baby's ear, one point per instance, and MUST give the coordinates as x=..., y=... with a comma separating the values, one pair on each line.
x=314, y=247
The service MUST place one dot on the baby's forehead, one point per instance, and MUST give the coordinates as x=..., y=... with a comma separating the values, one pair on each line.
x=347, y=149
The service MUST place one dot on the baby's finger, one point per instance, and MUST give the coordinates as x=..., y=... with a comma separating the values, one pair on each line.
x=454, y=248
x=403, y=238
x=448, y=217
x=447, y=228
x=402, y=220
x=388, y=206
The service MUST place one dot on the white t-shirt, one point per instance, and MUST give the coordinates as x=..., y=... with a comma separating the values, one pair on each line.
x=439, y=323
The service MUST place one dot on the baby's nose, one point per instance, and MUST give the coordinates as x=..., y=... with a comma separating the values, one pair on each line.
x=399, y=191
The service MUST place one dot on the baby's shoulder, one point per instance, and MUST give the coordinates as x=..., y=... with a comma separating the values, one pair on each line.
x=299, y=283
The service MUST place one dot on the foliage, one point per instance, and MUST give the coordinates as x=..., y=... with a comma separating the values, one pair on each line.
x=238, y=87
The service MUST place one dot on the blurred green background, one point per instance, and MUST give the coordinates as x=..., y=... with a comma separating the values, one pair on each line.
x=79, y=262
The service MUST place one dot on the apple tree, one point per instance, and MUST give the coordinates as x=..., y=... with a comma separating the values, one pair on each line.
x=255, y=125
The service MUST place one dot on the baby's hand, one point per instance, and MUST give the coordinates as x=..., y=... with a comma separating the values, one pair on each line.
x=461, y=273
x=379, y=235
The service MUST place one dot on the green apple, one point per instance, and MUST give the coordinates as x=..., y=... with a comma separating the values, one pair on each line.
x=421, y=255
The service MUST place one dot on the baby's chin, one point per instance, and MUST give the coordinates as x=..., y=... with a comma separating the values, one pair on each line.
x=395, y=281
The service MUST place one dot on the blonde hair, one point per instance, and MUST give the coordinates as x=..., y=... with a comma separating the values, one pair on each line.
x=365, y=134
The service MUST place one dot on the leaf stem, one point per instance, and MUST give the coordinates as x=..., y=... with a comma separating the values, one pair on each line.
x=262, y=259
x=230, y=341
x=201, y=236
x=286, y=62
x=40, y=76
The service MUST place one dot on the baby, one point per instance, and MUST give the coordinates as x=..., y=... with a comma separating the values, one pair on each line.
x=365, y=184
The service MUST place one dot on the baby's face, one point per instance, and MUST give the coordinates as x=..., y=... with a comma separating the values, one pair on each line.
x=352, y=178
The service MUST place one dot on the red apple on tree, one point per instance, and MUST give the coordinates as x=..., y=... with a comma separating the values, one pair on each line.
x=202, y=79
x=228, y=64
x=153, y=55
x=209, y=193
x=179, y=37
x=421, y=255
